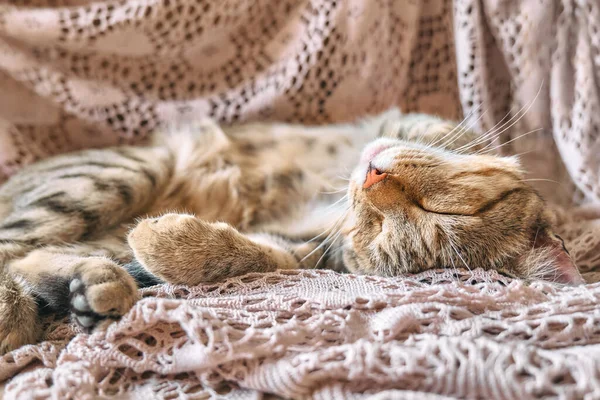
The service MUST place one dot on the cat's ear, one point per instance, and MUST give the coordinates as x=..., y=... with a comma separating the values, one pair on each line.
x=559, y=266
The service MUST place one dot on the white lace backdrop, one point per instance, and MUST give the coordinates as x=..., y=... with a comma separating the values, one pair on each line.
x=81, y=73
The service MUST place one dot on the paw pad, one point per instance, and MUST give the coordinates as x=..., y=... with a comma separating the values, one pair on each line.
x=81, y=311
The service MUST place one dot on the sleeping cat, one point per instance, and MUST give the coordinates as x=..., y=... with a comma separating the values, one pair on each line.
x=206, y=203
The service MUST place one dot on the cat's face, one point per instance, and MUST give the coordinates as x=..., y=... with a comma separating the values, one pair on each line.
x=415, y=208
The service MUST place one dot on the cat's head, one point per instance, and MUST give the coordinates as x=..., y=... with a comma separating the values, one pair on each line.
x=416, y=207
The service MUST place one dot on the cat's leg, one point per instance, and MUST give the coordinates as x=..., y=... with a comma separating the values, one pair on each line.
x=19, y=323
x=183, y=249
x=90, y=288
x=51, y=280
x=66, y=199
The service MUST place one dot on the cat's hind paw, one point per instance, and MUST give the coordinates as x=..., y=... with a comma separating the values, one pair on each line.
x=100, y=290
x=19, y=324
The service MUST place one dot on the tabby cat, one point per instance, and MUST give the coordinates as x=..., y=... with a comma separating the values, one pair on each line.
x=205, y=203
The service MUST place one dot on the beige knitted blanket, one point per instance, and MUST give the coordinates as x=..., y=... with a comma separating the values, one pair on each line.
x=81, y=73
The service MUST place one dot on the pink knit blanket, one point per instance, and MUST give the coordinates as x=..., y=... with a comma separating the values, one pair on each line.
x=319, y=334
x=79, y=73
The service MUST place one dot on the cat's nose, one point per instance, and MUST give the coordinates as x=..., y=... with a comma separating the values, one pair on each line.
x=373, y=176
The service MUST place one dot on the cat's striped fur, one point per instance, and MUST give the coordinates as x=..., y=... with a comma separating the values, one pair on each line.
x=205, y=203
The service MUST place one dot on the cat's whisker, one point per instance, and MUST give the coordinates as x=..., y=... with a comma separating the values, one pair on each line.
x=493, y=132
x=523, y=110
x=561, y=185
x=496, y=131
x=348, y=172
x=344, y=175
x=453, y=265
x=522, y=113
x=335, y=191
x=458, y=126
x=313, y=251
x=321, y=245
x=452, y=135
x=326, y=231
x=327, y=212
x=534, y=239
x=436, y=142
x=336, y=186
x=481, y=138
x=484, y=151
x=461, y=257
x=333, y=240
x=523, y=153
x=490, y=135
x=464, y=130
x=540, y=180
x=336, y=203
x=329, y=232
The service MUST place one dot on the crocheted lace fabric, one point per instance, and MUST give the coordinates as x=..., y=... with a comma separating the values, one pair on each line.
x=79, y=73
x=324, y=335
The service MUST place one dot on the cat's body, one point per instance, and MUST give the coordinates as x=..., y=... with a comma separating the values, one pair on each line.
x=263, y=197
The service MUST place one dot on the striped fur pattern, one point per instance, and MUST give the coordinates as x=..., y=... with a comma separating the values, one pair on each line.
x=80, y=232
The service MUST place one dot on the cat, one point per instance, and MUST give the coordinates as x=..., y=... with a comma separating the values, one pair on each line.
x=203, y=203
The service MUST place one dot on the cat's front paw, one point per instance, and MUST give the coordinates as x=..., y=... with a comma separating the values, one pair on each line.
x=167, y=245
x=99, y=291
x=182, y=249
